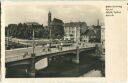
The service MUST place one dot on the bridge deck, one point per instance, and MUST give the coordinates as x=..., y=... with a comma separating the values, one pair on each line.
x=25, y=53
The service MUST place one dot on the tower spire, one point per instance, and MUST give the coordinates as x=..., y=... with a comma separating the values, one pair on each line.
x=49, y=18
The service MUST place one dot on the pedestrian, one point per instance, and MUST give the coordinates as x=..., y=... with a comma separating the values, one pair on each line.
x=58, y=47
x=43, y=47
x=61, y=46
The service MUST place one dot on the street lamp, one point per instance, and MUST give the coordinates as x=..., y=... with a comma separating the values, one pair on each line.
x=33, y=38
x=50, y=35
x=32, y=71
x=7, y=38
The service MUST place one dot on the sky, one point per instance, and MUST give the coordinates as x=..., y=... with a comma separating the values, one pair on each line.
x=29, y=12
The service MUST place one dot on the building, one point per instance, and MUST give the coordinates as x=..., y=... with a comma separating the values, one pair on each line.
x=49, y=18
x=102, y=35
x=92, y=34
x=73, y=30
x=56, y=27
x=84, y=38
x=97, y=30
x=88, y=36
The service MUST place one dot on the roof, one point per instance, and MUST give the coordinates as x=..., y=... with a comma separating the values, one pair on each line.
x=74, y=24
x=57, y=22
x=32, y=23
x=89, y=32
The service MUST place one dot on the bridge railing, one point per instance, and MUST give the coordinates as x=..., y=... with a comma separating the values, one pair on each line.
x=55, y=50
x=86, y=45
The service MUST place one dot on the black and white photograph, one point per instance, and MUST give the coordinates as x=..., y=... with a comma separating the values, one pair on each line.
x=48, y=41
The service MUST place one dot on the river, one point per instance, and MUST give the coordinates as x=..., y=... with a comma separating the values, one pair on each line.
x=89, y=66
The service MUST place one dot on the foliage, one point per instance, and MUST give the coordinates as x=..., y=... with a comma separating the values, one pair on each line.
x=25, y=31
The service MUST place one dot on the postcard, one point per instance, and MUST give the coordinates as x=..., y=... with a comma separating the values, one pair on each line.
x=64, y=41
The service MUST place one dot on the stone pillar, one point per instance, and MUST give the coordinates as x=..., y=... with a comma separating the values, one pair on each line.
x=77, y=59
x=98, y=50
x=32, y=68
x=77, y=56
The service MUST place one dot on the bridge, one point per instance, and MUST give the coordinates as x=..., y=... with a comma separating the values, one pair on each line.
x=25, y=56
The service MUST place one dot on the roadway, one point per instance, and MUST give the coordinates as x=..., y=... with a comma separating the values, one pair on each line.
x=24, y=53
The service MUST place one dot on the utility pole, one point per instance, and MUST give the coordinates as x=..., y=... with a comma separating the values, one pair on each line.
x=49, y=25
x=32, y=68
x=33, y=45
x=77, y=48
x=7, y=38
x=50, y=36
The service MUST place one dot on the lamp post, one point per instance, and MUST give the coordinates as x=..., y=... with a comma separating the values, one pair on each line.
x=32, y=72
x=77, y=47
x=33, y=38
x=7, y=38
x=50, y=35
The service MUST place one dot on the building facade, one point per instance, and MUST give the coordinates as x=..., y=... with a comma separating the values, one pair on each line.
x=56, y=28
x=89, y=35
x=73, y=30
x=102, y=35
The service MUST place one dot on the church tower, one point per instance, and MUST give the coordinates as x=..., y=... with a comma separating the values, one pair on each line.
x=49, y=18
x=98, y=23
